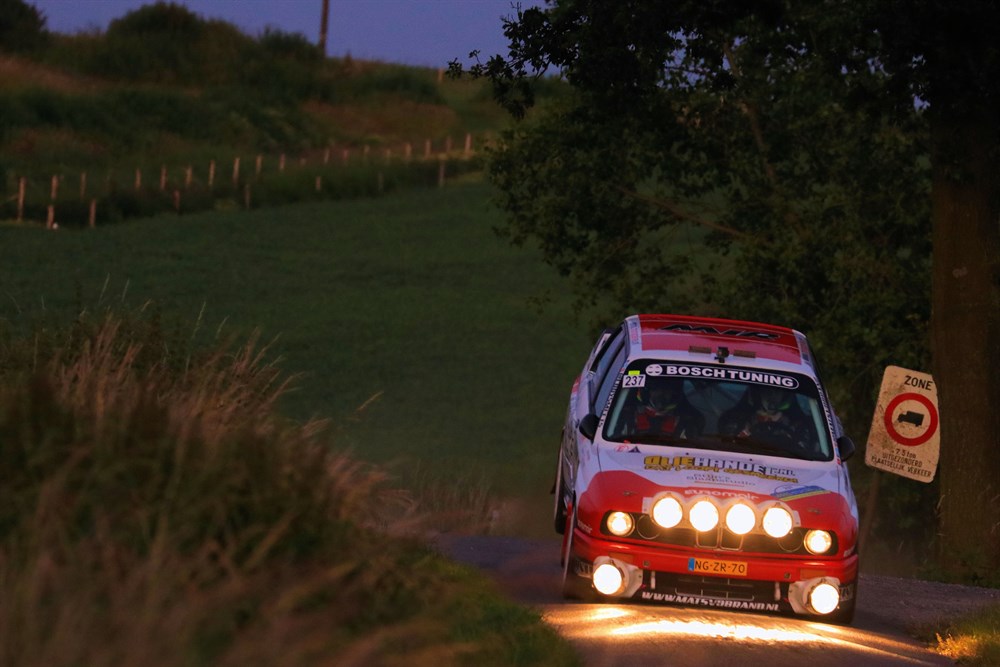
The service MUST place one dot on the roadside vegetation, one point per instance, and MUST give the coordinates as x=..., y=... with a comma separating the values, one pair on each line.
x=158, y=510
x=972, y=640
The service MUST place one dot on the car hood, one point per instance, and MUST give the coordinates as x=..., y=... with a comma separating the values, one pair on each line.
x=679, y=467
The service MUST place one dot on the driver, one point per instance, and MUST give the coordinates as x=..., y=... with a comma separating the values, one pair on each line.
x=767, y=413
x=666, y=411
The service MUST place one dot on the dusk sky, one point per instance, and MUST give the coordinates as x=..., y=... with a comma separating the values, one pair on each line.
x=413, y=32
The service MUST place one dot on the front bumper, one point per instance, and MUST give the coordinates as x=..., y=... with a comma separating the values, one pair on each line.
x=664, y=575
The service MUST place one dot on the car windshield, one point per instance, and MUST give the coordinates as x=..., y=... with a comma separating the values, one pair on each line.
x=727, y=408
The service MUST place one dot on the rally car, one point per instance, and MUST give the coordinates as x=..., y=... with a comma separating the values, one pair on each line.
x=702, y=464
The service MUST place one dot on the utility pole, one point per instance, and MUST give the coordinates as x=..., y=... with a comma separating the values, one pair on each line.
x=323, y=25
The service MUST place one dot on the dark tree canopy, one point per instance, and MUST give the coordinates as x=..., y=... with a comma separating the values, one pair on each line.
x=767, y=160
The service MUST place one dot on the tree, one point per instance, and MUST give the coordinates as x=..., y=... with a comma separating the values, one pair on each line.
x=22, y=27
x=947, y=54
x=783, y=137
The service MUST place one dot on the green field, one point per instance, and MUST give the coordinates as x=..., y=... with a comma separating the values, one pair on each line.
x=410, y=299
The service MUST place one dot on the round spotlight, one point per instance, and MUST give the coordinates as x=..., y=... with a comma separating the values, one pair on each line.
x=824, y=598
x=777, y=521
x=667, y=512
x=740, y=518
x=704, y=515
x=608, y=579
x=818, y=541
x=620, y=523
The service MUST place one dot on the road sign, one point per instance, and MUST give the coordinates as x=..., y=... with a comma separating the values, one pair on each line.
x=905, y=437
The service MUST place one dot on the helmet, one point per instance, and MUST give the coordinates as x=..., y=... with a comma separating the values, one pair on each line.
x=773, y=399
x=664, y=395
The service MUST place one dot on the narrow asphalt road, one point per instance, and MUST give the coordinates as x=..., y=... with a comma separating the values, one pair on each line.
x=608, y=635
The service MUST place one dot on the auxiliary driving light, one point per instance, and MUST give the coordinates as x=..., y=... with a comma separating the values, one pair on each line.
x=620, y=523
x=818, y=541
x=667, y=512
x=704, y=515
x=608, y=579
x=740, y=518
x=824, y=598
x=777, y=521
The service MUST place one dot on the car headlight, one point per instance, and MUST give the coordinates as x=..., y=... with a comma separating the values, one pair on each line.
x=740, y=518
x=777, y=521
x=818, y=541
x=704, y=515
x=620, y=523
x=667, y=512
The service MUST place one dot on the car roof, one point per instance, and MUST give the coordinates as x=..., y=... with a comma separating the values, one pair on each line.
x=704, y=339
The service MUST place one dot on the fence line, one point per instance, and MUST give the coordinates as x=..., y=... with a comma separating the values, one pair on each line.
x=316, y=157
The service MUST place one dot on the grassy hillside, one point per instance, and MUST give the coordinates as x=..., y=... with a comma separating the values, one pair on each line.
x=407, y=305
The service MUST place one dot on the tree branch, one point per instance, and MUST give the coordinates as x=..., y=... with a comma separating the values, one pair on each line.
x=676, y=211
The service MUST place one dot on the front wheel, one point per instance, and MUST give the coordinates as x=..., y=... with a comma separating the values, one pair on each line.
x=572, y=586
x=559, y=510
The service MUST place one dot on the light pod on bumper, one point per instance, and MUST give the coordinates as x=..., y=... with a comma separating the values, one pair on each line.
x=667, y=512
x=608, y=579
x=777, y=521
x=740, y=518
x=704, y=515
x=824, y=598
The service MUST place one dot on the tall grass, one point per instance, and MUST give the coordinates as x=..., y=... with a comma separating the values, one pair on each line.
x=157, y=510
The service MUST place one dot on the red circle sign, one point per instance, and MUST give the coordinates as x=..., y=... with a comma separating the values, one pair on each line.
x=890, y=427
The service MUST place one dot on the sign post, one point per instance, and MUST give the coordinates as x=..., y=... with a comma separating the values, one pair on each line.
x=905, y=438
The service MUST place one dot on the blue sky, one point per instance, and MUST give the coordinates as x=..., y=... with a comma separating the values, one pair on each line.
x=413, y=32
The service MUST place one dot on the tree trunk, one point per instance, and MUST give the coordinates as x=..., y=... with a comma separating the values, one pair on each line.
x=965, y=326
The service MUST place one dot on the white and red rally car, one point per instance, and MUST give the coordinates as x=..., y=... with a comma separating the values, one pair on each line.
x=702, y=464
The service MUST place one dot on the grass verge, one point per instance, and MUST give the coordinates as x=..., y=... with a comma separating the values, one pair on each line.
x=157, y=510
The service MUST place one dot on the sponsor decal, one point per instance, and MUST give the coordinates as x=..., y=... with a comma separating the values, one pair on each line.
x=634, y=449
x=721, y=373
x=710, y=602
x=712, y=464
x=738, y=333
x=796, y=492
x=654, y=370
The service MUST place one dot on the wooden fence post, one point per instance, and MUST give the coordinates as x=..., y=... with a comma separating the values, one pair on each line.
x=92, y=215
x=319, y=184
x=50, y=218
x=259, y=165
x=187, y=176
x=236, y=171
x=138, y=178
x=211, y=173
x=55, y=188
x=163, y=177
x=468, y=144
x=22, y=184
x=408, y=151
x=326, y=155
x=83, y=184
x=345, y=155
x=364, y=154
x=281, y=162
x=427, y=149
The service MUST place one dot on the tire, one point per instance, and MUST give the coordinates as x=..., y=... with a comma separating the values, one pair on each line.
x=559, y=509
x=844, y=615
x=573, y=588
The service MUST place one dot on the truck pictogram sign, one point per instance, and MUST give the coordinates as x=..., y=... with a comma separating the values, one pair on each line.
x=905, y=435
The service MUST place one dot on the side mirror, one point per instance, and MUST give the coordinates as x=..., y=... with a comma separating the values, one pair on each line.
x=846, y=447
x=588, y=426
